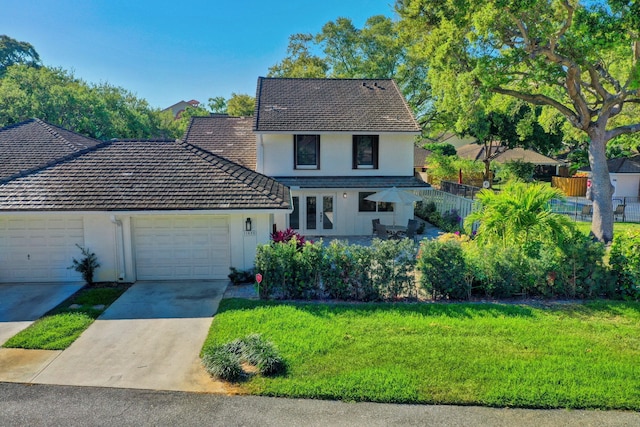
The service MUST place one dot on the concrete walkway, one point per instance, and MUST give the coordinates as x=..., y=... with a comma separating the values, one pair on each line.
x=150, y=338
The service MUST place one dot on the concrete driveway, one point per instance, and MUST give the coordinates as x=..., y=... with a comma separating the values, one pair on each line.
x=22, y=303
x=150, y=338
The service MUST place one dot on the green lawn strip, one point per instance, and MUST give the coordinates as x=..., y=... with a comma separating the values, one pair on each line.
x=573, y=356
x=61, y=326
x=618, y=227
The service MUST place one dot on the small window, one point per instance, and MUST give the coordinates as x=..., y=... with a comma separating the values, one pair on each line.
x=365, y=151
x=369, y=206
x=306, y=150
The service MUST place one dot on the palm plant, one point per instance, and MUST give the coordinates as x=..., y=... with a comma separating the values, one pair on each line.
x=519, y=215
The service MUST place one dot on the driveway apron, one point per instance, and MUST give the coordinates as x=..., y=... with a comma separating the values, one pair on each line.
x=150, y=338
x=22, y=303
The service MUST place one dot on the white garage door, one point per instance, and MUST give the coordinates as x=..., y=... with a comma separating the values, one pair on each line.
x=182, y=247
x=39, y=249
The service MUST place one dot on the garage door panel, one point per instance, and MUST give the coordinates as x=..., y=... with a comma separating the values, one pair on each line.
x=38, y=249
x=181, y=247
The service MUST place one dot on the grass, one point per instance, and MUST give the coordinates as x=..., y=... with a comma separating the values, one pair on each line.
x=563, y=356
x=60, y=327
x=618, y=227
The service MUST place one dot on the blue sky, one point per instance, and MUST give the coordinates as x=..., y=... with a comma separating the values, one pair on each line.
x=170, y=51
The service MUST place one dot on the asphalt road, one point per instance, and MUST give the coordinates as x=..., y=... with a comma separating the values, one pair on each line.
x=46, y=405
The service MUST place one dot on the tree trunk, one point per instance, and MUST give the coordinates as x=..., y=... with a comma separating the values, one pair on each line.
x=601, y=188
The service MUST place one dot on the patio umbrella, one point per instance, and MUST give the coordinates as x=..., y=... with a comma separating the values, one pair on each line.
x=393, y=195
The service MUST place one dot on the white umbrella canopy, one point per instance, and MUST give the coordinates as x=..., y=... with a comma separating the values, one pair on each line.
x=393, y=195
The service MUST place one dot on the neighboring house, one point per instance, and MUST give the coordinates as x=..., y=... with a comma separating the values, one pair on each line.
x=501, y=154
x=150, y=210
x=333, y=142
x=420, y=158
x=179, y=107
x=625, y=176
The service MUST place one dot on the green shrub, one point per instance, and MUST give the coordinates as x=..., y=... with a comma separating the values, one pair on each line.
x=392, y=269
x=263, y=355
x=624, y=260
x=443, y=270
x=345, y=271
x=87, y=265
x=238, y=277
x=424, y=209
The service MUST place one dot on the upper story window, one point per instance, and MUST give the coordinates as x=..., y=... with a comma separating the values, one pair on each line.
x=306, y=149
x=365, y=151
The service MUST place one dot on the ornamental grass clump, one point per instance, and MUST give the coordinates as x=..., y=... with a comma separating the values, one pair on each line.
x=225, y=361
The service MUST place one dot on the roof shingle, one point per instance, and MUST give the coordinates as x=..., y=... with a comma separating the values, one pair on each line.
x=144, y=175
x=331, y=105
x=228, y=137
x=33, y=144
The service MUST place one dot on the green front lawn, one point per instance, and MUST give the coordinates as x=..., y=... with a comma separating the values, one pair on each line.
x=60, y=327
x=565, y=356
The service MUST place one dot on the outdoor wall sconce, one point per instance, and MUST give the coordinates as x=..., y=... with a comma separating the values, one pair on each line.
x=344, y=195
x=247, y=225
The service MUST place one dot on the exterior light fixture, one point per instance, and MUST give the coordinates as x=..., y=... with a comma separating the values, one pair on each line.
x=344, y=195
x=248, y=225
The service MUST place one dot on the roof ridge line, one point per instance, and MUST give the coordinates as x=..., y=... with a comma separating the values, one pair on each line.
x=50, y=128
x=55, y=162
x=226, y=164
x=256, y=111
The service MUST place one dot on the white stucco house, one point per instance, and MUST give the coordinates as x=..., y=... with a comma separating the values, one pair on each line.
x=333, y=142
x=192, y=208
x=150, y=210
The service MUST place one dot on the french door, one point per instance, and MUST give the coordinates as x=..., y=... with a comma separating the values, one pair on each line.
x=314, y=214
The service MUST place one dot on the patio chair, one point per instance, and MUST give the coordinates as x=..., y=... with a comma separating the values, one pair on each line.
x=412, y=228
x=587, y=210
x=619, y=211
x=381, y=232
x=373, y=224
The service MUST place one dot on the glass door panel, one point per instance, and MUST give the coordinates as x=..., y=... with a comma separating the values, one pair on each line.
x=328, y=218
x=312, y=212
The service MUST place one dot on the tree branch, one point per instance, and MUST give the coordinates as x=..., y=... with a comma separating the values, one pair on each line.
x=538, y=99
x=565, y=26
x=612, y=133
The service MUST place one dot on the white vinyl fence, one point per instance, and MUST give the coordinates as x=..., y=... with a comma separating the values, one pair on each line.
x=446, y=202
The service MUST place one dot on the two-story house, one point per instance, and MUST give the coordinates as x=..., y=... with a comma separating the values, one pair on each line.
x=334, y=142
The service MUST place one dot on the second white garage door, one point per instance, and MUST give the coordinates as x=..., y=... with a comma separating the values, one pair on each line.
x=182, y=247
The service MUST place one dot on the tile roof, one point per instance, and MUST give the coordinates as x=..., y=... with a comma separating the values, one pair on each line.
x=33, y=144
x=228, y=137
x=143, y=175
x=420, y=156
x=331, y=105
x=353, y=182
x=621, y=165
x=476, y=152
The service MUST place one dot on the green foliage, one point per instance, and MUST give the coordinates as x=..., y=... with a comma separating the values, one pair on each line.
x=505, y=355
x=13, y=52
x=441, y=148
x=238, y=277
x=443, y=270
x=87, y=265
x=241, y=105
x=58, y=97
x=516, y=170
x=224, y=361
x=424, y=209
x=521, y=214
x=624, y=259
x=383, y=271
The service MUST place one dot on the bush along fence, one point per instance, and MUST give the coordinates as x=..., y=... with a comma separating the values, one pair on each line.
x=452, y=267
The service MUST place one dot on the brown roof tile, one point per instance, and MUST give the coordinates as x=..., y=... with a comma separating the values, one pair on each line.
x=331, y=105
x=34, y=144
x=225, y=136
x=143, y=175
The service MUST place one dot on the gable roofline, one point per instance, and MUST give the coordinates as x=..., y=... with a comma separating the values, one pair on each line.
x=381, y=109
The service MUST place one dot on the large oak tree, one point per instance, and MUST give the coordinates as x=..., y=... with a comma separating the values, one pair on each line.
x=576, y=59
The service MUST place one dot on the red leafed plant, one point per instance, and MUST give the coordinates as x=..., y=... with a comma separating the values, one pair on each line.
x=285, y=236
